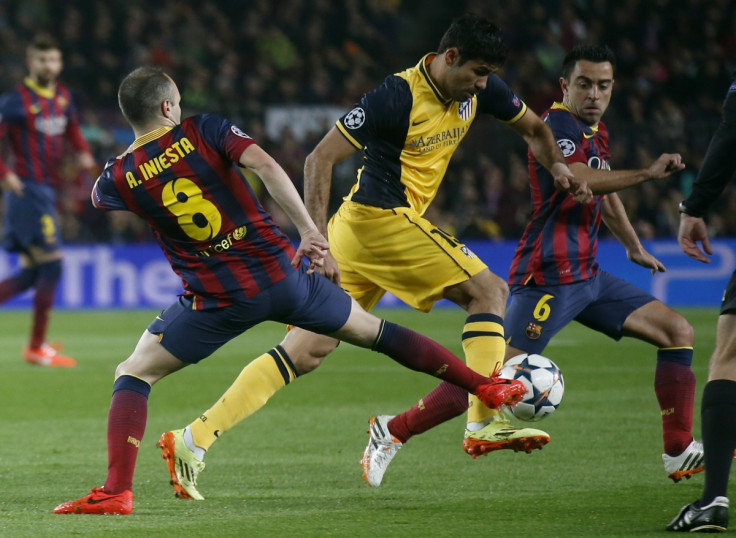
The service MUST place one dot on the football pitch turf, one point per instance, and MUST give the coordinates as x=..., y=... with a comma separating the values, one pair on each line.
x=292, y=469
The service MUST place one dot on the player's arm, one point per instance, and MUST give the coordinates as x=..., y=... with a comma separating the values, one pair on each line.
x=542, y=143
x=313, y=245
x=74, y=136
x=332, y=149
x=9, y=181
x=719, y=168
x=605, y=181
x=615, y=218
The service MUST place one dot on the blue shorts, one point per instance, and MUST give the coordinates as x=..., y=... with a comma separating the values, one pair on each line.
x=537, y=313
x=30, y=220
x=311, y=302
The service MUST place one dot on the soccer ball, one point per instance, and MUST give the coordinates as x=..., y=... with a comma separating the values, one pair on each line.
x=544, y=383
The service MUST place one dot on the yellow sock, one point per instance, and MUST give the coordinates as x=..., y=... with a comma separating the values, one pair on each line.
x=484, y=346
x=255, y=385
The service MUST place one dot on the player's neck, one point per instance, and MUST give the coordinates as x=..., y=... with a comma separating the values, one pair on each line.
x=434, y=70
x=46, y=89
x=162, y=125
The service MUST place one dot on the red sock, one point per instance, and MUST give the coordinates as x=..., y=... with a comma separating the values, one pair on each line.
x=443, y=403
x=126, y=423
x=48, y=277
x=422, y=354
x=674, y=384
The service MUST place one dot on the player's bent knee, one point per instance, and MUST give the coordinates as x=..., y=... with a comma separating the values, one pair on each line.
x=485, y=291
x=307, y=350
x=681, y=333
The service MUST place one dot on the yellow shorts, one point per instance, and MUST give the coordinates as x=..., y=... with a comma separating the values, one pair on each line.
x=396, y=250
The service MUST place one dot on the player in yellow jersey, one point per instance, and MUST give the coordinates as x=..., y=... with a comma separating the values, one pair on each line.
x=408, y=129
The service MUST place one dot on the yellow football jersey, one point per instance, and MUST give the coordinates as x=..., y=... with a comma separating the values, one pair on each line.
x=408, y=132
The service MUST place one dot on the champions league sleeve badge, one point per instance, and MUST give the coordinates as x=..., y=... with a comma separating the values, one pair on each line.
x=355, y=118
x=238, y=132
x=567, y=146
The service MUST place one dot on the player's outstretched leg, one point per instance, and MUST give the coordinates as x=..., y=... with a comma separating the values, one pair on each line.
x=183, y=465
x=126, y=424
x=423, y=354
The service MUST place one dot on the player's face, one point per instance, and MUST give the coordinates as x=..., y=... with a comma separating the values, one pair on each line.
x=588, y=91
x=464, y=81
x=44, y=66
x=175, y=106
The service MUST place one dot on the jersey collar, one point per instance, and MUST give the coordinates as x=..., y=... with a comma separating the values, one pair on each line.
x=151, y=135
x=560, y=106
x=46, y=93
x=423, y=69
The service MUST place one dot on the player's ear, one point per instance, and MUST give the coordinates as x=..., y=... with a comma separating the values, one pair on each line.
x=563, y=85
x=166, y=107
x=452, y=56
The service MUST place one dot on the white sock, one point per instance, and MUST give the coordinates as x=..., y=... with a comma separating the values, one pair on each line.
x=475, y=426
x=189, y=441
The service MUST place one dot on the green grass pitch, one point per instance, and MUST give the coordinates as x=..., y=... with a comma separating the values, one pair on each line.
x=292, y=469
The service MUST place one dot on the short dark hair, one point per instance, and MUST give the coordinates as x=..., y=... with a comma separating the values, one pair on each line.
x=43, y=42
x=142, y=92
x=591, y=53
x=477, y=38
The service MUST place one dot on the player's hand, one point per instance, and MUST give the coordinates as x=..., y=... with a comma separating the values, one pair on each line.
x=692, y=230
x=86, y=162
x=643, y=258
x=330, y=269
x=566, y=181
x=665, y=165
x=11, y=182
x=314, y=247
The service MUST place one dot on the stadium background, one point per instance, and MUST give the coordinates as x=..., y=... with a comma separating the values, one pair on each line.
x=284, y=71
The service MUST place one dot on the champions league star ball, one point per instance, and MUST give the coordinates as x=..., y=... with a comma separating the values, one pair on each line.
x=544, y=384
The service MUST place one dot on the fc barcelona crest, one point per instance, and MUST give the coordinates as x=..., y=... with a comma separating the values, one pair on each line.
x=533, y=331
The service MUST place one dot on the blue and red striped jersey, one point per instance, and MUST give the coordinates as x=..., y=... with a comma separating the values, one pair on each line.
x=560, y=241
x=184, y=181
x=37, y=121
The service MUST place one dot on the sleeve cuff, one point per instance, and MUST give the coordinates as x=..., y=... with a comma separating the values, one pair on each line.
x=685, y=210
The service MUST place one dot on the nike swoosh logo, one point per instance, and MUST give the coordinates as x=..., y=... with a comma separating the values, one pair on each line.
x=159, y=318
x=588, y=135
x=415, y=123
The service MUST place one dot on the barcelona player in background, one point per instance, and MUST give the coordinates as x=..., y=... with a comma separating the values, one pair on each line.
x=38, y=118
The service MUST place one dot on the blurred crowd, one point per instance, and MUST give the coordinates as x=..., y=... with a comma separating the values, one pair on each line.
x=241, y=59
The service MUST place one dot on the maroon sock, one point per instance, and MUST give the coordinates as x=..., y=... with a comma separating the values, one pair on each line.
x=126, y=423
x=18, y=283
x=443, y=403
x=422, y=354
x=674, y=385
x=48, y=277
